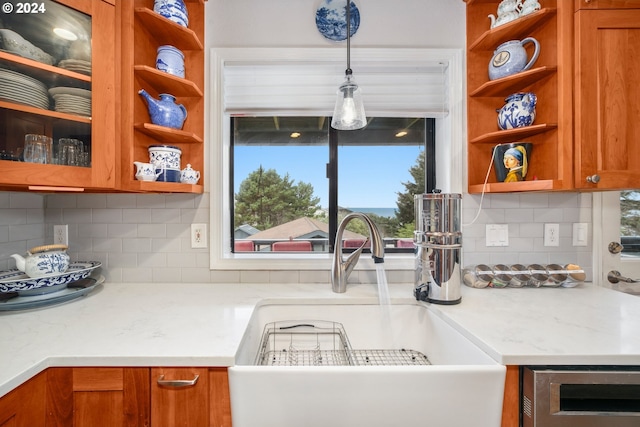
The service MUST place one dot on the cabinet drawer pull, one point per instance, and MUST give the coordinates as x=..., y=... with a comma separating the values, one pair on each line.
x=177, y=383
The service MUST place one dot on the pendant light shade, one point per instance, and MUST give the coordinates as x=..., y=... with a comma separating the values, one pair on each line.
x=348, y=113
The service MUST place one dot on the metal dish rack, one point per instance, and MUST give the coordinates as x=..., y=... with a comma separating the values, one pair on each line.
x=324, y=343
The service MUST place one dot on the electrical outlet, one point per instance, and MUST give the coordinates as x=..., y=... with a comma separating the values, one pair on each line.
x=552, y=234
x=61, y=235
x=198, y=236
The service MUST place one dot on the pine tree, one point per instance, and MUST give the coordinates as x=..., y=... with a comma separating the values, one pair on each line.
x=265, y=200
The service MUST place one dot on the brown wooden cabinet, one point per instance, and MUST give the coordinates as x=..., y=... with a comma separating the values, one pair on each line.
x=607, y=89
x=550, y=78
x=131, y=397
x=80, y=397
x=143, y=31
x=24, y=113
x=25, y=406
x=587, y=80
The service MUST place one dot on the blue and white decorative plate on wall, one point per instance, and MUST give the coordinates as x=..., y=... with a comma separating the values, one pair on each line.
x=331, y=19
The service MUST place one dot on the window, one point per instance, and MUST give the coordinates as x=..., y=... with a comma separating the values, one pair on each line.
x=295, y=178
x=268, y=83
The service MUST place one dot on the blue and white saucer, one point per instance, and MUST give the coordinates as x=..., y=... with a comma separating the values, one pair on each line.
x=331, y=19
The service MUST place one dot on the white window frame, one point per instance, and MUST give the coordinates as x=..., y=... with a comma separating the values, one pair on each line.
x=450, y=143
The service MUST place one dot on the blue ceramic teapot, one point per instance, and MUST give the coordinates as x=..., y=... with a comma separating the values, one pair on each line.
x=165, y=111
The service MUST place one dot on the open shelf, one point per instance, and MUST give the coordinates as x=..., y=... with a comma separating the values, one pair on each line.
x=167, y=83
x=512, y=134
x=510, y=84
x=515, y=29
x=166, y=31
x=168, y=135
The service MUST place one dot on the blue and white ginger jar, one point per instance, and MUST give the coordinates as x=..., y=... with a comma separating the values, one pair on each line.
x=174, y=10
x=518, y=111
x=170, y=60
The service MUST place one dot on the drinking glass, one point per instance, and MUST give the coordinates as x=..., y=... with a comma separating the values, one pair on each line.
x=70, y=152
x=38, y=148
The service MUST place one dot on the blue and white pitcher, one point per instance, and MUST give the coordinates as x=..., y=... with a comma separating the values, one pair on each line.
x=518, y=111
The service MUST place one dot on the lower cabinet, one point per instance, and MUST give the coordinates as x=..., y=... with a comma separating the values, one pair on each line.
x=25, y=405
x=128, y=397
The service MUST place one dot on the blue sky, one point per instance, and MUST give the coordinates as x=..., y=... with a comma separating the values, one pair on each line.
x=368, y=176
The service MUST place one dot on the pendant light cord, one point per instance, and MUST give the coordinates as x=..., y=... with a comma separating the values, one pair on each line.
x=348, y=72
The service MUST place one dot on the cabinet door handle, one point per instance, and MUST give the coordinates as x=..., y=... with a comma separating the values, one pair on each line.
x=177, y=383
x=594, y=179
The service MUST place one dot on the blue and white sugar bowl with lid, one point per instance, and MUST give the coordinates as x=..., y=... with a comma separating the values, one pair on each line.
x=189, y=176
x=174, y=10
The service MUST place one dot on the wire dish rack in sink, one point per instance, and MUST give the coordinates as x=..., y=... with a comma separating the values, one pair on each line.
x=324, y=343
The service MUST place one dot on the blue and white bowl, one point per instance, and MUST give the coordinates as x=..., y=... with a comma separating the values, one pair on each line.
x=165, y=157
x=174, y=10
x=170, y=60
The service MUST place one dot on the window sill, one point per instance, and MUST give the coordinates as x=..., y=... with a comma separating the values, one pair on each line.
x=250, y=261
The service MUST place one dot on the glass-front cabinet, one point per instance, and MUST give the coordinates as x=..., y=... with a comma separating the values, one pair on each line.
x=57, y=95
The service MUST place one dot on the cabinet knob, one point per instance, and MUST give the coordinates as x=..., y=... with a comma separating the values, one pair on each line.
x=594, y=179
x=177, y=383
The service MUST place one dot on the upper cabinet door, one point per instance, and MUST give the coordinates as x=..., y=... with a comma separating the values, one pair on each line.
x=607, y=90
x=57, y=80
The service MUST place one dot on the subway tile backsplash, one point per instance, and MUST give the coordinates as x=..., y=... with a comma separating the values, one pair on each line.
x=145, y=237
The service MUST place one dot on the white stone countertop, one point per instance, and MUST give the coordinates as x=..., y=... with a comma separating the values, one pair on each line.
x=157, y=324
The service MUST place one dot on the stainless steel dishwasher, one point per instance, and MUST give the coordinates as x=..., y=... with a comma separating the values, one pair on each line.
x=580, y=396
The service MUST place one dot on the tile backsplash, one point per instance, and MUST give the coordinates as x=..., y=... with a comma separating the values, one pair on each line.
x=145, y=237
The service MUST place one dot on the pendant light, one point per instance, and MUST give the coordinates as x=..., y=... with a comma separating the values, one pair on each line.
x=349, y=111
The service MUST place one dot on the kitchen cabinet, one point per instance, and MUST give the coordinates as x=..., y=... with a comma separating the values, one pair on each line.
x=90, y=397
x=190, y=397
x=607, y=89
x=116, y=396
x=25, y=406
x=29, y=109
x=550, y=78
x=142, y=32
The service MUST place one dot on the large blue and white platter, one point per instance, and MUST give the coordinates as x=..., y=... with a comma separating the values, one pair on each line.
x=331, y=19
x=17, y=281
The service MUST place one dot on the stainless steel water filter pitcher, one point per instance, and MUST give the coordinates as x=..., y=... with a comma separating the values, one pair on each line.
x=438, y=241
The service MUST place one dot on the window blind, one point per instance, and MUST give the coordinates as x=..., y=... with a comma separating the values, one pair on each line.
x=393, y=85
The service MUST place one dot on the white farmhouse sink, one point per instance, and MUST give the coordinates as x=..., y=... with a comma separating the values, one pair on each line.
x=462, y=386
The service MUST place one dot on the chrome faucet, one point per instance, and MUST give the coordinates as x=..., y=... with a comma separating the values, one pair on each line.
x=341, y=269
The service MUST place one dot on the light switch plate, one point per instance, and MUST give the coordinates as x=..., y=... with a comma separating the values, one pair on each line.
x=580, y=233
x=497, y=235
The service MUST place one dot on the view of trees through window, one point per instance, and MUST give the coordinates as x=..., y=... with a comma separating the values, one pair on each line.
x=294, y=179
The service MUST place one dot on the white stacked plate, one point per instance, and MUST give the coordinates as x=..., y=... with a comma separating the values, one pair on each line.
x=77, y=65
x=23, y=89
x=72, y=100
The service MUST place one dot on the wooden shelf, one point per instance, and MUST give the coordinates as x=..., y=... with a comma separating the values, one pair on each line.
x=515, y=29
x=168, y=135
x=44, y=113
x=509, y=187
x=48, y=74
x=165, y=187
x=167, y=83
x=510, y=135
x=166, y=31
x=514, y=83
